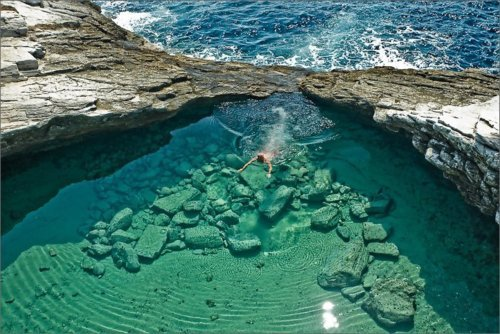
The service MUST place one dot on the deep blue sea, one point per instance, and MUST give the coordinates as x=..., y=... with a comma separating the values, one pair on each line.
x=321, y=35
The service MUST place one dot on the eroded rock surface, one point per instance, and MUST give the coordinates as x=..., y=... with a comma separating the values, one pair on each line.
x=452, y=118
x=68, y=71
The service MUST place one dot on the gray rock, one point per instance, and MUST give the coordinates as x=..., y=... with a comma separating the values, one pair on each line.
x=93, y=234
x=151, y=242
x=125, y=256
x=245, y=242
x=98, y=250
x=391, y=301
x=241, y=190
x=185, y=219
x=216, y=190
x=101, y=225
x=321, y=185
x=345, y=266
x=325, y=218
x=255, y=177
x=193, y=206
x=21, y=57
x=98, y=269
x=380, y=205
x=228, y=217
x=12, y=25
x=220, y=205
x=161, y=220
x=202, y=237
x=32, y=2
x=274, y=203
x=353, y=293
x=173, y=203
x=121, y=220
x=344, y=232
x=383, y=248
x=122, y=236
x=176, y=245
x=374, y=232
x=358, y=210
x=198, y=179
x=233, y=161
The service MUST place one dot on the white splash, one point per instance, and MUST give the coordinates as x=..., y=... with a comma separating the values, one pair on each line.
x=133, y=20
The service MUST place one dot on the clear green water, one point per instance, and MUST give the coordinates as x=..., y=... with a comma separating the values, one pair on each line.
x=445, y=245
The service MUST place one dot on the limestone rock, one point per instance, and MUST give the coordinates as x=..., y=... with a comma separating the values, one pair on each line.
x=193, y=206
x=186, y=219
x=275, y=202
x=151, y=242
x=391, y=301
x=322, y=182
x=98, y=250
x=242, y=243
x=255, y=177
x=353, y=293
x=345, y=266
x=203, y=237
x=383, y=248
x=122, y=236
x=176, y=245
x=173, y=203
x=374, y=232
x=228, y=217
x=379, y=205
x=234, y=161
x=241, y=191
x=325, y=218
x=358, y=210
x=344, y=232
x=12, y=24
x=121, y=220
x=124, y=256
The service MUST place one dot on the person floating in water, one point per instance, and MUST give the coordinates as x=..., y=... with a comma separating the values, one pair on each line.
x=261, y=157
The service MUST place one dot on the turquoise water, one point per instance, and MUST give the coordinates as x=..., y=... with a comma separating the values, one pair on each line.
x=448, y=250
x=321, y=35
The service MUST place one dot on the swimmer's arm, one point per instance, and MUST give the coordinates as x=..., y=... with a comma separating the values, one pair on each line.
x=246, y=165
x=270, y=168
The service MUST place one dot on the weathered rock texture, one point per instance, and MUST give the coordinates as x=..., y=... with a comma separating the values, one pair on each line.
x=67, y=71
x=452, y=118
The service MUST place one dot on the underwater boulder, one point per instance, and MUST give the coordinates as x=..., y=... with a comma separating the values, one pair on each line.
x=255, y=177
x=325, y=218
x=344, y=232
x=121, y=220
x=125, y=256
x=122, y=236
x=391, y=301
x=243, y=243
x=151, y=241
x=345, y=266
x=321, y=185
x=358, y=210
x=383, y=248
x=99, y=250
x=228, y=217
x=353, y=293
x=379, y=205
x=186, y=219
x=173, y=203
x=374, y=232
x=274, y=203
x=234, y=161
x=203, y=237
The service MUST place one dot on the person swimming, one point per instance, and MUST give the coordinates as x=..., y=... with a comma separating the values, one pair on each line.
x=261, y=157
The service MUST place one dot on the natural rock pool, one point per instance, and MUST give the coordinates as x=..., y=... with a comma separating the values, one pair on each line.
x=154, y=230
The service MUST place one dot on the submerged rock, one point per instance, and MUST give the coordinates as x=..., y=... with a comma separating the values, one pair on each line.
x=379, y=205
x=124, y=256
x=176, y=245
x=234, y=161
x=358, y=210
x=203, y=237
x=255, y=177
x=383, y=248
x=391, y=301
x=186, y=219
x=151, y=242
x=275, y=202
x=353, y=293
x=374, y=232
x=121, y=220
x=244, y=242
x=98, y=250
x=321, y=185
x=122, y=236
x=345, y=266
x=173, y=203
x=228, y=217
x=344, y=232
x=325, y=218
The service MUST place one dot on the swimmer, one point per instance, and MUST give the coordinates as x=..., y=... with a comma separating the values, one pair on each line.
x=261, y=157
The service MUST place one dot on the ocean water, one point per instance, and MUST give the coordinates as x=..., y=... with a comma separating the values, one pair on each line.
x=321, y=35
x=447, y=249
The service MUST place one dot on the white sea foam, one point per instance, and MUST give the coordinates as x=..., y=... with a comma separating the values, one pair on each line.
x=133, y=20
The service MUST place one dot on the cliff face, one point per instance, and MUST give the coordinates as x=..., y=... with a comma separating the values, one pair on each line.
x=67, y=71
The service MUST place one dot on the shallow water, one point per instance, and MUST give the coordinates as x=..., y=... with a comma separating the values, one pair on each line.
x=446, y=247
x=321, y=35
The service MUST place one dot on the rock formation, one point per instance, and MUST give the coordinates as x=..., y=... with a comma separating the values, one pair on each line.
x=67, y=71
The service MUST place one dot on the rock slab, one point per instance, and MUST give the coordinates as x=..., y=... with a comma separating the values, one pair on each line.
x=151, y=241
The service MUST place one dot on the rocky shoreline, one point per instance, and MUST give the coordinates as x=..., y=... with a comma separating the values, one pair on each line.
x=67, y=71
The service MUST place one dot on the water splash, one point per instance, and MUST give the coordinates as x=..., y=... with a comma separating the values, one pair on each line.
x=265, y=126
